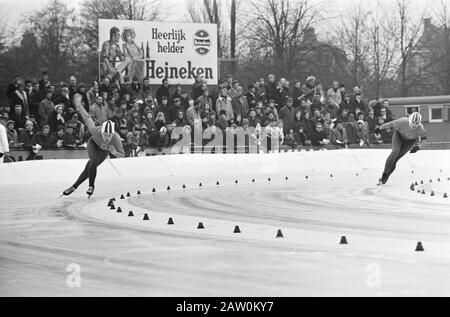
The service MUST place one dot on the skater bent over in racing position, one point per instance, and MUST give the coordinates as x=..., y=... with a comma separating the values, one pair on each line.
x=408, y=134
x=104, y=141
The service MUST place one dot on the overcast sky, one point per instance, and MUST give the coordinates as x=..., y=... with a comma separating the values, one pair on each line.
x=11, y=10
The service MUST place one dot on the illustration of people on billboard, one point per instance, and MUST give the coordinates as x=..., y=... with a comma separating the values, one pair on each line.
x=111, y=56
x=134, y=55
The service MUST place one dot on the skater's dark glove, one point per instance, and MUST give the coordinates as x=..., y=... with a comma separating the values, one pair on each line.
x=415, y=149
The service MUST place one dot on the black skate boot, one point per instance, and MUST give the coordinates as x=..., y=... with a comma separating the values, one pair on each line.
x=90, y=191
x=68, y=191
x=382, y=180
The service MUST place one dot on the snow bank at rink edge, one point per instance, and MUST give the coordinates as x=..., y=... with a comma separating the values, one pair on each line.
x=186, y=165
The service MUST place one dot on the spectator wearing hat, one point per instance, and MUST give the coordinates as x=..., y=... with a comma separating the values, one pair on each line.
x=224, y=103
x=19, y=118
x=239, y=103
x=287, y=114
x=362, y=133
x=338, y=135
x=43, y=137
x=57, y=117
x=12, y=134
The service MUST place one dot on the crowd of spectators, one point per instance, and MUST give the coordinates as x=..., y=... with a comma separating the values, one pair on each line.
x=40, y=114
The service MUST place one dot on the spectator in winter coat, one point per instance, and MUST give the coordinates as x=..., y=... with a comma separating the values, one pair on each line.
x=26, y=140
x=98, y=111
x=43, y=138
x=334, y=96
x=371, y=121
x=46, y=107
x=164, y=90
x=193, y=115
x=19, y=118
x=271, y=88
x=362, y=134
x=301, y=137
x=289, y=140
x=240, y=104
x=19, y=97
x=319, y=137
x=57, y=118
x=358, y=104
x=287, y=114
x=251, y=96
x=224, y=103
x=12, y=135
x=175, y=108
x=338, y=134
x=69, y=140
x=307, y=122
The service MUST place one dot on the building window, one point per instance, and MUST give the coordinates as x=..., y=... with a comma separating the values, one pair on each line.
x=435, y=114
x=411, y=109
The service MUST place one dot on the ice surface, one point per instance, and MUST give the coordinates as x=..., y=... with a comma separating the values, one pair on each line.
x=40, y=235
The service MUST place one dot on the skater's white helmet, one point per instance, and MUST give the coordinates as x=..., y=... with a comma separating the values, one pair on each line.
x=108, y=131
x=415, y=119
x=108, y=127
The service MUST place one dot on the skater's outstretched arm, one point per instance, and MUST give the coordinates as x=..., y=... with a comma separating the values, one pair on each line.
x=86, y=117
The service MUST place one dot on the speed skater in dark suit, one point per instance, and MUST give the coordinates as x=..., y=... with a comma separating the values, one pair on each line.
x=104, y=141
x=408, y=135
